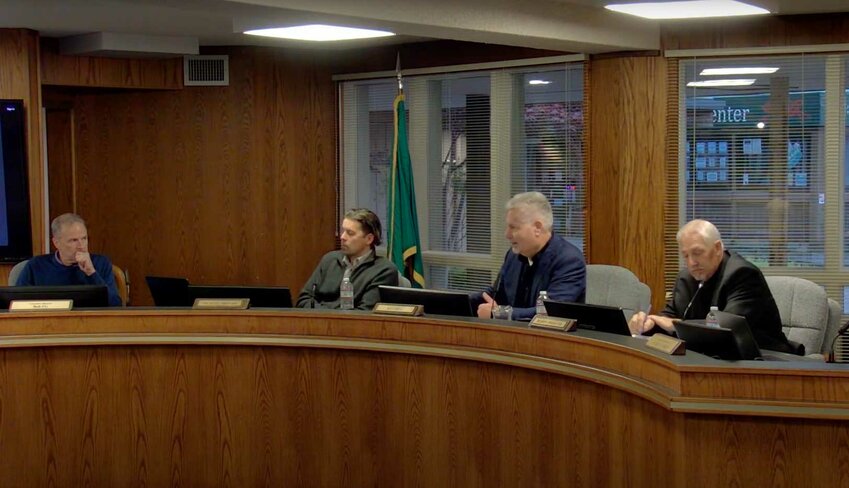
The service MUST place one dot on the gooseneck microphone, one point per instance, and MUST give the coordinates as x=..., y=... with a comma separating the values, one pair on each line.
x=684, y=317
x=312, y=298
x=830, y=356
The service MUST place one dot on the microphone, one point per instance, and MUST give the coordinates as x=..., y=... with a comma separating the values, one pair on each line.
x=498, y=283
x=829, y=356
x=312, y=299
x=684, y=317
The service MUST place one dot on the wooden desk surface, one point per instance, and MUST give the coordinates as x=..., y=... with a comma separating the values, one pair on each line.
x=268, y=398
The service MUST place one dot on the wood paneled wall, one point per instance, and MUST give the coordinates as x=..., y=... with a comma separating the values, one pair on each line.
x=229, y=184
x=102, y=72
x=19, y=79
x=758, y=31
x=627, y=149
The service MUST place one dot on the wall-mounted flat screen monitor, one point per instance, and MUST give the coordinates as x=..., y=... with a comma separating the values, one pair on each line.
x=259, y=296
x=436, y=302
x=84, y=296
x=15, y=225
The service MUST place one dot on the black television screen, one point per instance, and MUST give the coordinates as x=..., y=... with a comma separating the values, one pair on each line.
x=434, y=301
x=15, y=228
x=84, y=296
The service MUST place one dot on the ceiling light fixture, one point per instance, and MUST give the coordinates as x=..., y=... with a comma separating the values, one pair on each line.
x=539, y=82
x=319, y=32
x=737, y=71
x=692, y=9
x=715, y=83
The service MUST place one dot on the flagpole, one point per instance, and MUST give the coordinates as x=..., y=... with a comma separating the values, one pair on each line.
x=398, y=72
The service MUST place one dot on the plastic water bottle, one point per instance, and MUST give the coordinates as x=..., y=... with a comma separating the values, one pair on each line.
x=543, y=296
x=346, y=294
x=711, y=320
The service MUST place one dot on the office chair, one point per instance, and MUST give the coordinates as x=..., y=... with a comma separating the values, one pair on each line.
x=15, y=272
x=615, y=286
x=804, y=309
x=122, y=282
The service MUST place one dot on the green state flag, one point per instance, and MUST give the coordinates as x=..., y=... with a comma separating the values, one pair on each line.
x=403, y=245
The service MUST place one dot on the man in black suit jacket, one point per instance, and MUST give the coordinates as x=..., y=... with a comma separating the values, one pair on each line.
x=716, y=277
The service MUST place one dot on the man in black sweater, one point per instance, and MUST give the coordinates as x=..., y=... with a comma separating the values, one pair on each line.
x=716, y=277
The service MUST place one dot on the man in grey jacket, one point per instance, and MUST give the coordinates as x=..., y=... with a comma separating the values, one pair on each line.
x=361, y=232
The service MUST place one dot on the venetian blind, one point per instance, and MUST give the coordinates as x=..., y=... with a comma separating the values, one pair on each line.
x=475, y=139
x=760, y=153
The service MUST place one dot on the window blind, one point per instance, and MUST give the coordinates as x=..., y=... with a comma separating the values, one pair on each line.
x=760, y=153
x=475, y=139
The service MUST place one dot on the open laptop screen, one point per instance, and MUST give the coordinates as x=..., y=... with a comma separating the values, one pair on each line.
x=595, y=317
x=436, y=302
x=732, y=340
x=84, y=296
x=259, y=296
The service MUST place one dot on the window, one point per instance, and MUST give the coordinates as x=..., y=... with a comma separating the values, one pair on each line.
x=763, y=160
x=476, y=138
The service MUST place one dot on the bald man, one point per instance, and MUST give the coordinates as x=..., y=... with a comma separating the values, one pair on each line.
x=716, y=277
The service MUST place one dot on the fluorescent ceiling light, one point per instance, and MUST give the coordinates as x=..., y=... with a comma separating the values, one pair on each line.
x=737, y=71
x=539, y=82
x=319, y=32
x=710, y=83
x=687, y=9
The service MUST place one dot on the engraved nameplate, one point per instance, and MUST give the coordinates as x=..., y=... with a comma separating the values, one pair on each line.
x=398, y=309
x=40, y=305
x=554, y=323
x=669, y=345
x=221, y=303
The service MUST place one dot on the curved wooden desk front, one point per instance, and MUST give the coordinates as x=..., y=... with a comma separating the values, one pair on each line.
x=286, y=398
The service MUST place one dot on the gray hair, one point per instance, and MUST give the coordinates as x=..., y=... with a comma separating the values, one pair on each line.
x=61, y=221
x=532, y=204
x=708, y=231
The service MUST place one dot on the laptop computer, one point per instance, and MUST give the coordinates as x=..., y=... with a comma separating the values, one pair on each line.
x=594, y=317
x=436, y=302
x=732, y=340
x=169, y=292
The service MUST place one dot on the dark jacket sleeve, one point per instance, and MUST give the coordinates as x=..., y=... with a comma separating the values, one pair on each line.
x=388, y=275
x=748, y=295
x=680, y=297
x=475, y=299
x=306, y=299
x=103, y=276
x=567, y=282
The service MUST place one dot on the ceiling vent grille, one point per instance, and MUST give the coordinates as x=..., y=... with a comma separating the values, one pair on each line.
x=206, y=70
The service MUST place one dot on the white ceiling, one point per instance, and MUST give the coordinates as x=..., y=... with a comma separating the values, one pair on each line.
x=565, y=25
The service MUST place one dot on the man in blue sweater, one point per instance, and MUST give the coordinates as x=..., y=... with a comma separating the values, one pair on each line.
x=71, y=264
x=538, y=260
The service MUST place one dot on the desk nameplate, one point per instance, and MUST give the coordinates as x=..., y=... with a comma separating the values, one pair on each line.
x=40, y=305
x=221, y=303
x=554, y=323
x=399, y=309
x=669, y=345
